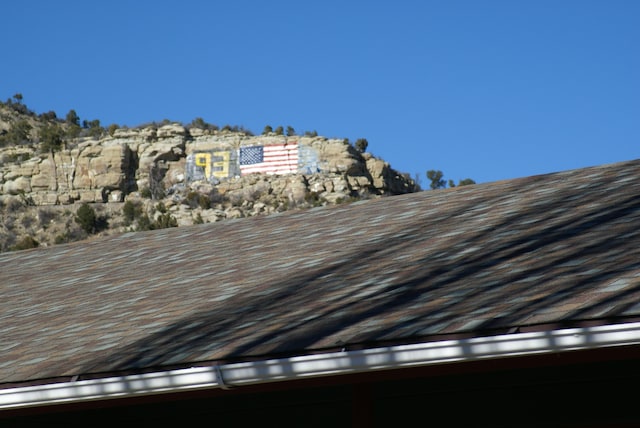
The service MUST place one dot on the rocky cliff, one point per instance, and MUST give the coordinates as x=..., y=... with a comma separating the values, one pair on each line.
x=193, y=175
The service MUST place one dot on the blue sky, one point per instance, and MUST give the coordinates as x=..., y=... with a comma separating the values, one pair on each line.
x=488, y=90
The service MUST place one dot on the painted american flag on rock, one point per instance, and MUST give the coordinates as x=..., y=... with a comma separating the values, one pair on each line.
x=269, y=159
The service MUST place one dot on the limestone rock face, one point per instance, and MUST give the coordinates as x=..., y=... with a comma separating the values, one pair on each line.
x=164, y=163
x=18, y=186
x=171, y=175
x=386, y=178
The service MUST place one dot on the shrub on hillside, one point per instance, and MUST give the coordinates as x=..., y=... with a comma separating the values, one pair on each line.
x=196, y=199
x=51, y=136
x=16, y=135
x=361, y=145
x=25, y=243
x=89, y=221
x=163, y=221
x=131, y=211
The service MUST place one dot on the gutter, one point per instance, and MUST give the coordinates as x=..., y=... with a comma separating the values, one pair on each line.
x=329, y=364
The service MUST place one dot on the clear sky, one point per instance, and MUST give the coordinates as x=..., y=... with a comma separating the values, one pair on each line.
x=485, y=89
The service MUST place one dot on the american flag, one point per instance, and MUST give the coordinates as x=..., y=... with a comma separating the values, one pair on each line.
x=269, y=159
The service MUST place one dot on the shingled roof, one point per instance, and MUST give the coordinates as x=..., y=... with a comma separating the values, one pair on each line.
x=530, y=254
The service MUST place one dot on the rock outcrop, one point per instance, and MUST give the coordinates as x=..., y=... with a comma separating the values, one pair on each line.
x=191, y=175
x=134, y=160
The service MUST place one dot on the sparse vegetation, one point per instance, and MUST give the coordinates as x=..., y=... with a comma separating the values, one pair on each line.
x=28, y=221
x=146, y=193
x=86, y=218
x=435, y=176
x=18, y=106
x=25, y=243
x=196, y=199
x=464, y=182
x=162, y=221
x=161, y=208
x=15, y=157
x=89, y=221
x=72, y=118
x=438, y=182
x=200, y=123
x=93, y=128
x=313, y=199
x=361, y=145
x=16, y=135
x=112, y=129
x=51, y=137
x=131, y=211
x=14, y=205
x=64, y=238
x=134, y=211
x=198, y=219
x=49, y=116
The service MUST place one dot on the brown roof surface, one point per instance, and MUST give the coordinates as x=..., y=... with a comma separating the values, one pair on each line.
x=556, y=249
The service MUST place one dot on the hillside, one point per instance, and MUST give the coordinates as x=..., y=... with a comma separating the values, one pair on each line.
x=62, y=181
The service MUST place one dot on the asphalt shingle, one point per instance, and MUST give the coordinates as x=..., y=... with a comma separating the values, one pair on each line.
x=555, y=249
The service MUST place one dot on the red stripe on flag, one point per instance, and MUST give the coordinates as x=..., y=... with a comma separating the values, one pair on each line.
x=277, y=159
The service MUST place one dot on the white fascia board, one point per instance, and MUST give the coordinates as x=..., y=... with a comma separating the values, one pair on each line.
x=329, y=364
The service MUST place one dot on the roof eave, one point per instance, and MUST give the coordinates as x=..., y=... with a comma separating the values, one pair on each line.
x=329, y=364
